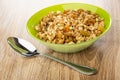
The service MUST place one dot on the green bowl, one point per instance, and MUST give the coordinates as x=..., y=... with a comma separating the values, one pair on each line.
x=67, y=48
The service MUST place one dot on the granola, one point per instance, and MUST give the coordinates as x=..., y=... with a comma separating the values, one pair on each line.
x=70, y=26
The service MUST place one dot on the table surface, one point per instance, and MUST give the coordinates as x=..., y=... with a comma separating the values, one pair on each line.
x=104, y=55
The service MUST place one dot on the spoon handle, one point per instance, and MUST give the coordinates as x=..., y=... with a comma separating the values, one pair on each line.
x=80, y=68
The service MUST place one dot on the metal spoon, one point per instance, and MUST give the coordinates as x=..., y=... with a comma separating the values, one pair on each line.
x=27, y=49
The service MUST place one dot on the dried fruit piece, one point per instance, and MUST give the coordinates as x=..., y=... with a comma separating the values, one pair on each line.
x=66, y=28
x=84, y=33
x=101, y=28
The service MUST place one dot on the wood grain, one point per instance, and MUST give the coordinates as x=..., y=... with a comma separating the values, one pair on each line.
x=102, y=55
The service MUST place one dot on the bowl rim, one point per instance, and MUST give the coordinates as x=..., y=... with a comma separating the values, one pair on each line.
x=81, y=43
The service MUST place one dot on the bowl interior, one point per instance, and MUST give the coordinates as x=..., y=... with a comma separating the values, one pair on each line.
x=34, y=20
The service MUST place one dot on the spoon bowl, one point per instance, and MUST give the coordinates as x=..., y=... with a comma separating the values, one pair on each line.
x=22, y=47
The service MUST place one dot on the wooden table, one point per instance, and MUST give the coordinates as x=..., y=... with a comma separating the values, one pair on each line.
x=104, y=55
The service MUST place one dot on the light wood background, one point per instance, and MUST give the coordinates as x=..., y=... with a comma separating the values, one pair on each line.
x=104, y=55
